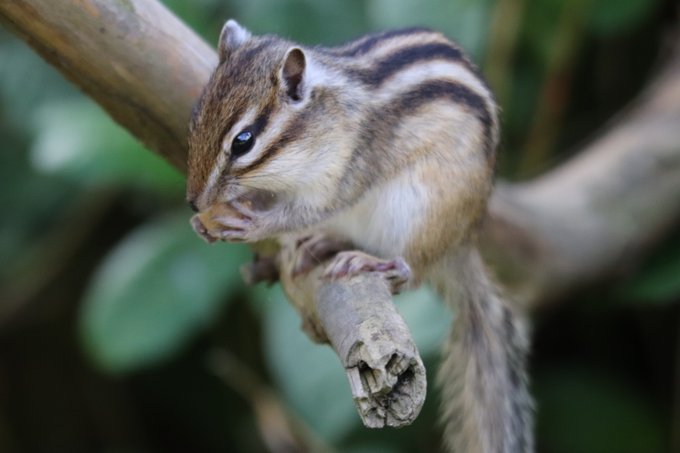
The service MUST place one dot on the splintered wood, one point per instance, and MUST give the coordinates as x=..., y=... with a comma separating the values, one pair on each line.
x=357, y=318
x=385, y=372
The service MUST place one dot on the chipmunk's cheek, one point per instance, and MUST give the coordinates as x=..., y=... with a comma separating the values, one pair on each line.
x=258, y=200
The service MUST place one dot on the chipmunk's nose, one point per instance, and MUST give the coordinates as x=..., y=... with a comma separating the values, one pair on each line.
x=192, y=205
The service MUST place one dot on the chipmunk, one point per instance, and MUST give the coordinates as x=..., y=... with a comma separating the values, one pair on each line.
x=388, y=143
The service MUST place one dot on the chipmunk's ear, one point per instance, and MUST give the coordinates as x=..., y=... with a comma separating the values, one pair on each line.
x=233, y=35
x=293, y=71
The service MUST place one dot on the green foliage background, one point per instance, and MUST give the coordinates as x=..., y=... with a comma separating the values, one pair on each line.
x=111, y=310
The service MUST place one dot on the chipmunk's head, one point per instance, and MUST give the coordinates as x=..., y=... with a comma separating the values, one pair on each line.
x=253, y=129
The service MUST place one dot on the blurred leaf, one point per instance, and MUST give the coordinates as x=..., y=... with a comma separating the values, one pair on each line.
x=30, y=202
x=615, y=16
x=26, y=82
x=76, y=139
x=659, y=280
x=154, y=291
x=582, y=411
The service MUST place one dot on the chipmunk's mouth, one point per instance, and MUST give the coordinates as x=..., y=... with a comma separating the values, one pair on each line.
x=236, y=220
x=221, y=220
x=200, y=229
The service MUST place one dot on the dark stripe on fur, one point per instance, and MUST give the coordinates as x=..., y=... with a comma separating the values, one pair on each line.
x=292, y=131
x=249, y=54
x=260, y=123
x=208, y=128
x=229, y=125
x=404, y=58
x=376, y=136
x=366, y=44
x=442, y=89
x=257, y=126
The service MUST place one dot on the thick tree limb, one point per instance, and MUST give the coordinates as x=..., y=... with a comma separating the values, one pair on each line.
x=134, y=57
x=597, y=214
x=576, y=224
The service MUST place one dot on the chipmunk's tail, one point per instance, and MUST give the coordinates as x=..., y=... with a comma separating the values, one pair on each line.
x=485, y=401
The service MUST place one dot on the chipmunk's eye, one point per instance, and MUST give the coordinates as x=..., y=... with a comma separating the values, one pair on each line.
x=242, y=143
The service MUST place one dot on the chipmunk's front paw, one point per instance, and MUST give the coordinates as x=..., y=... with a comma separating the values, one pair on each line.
x=232, y=222
x=396, y=272
x=314, y=249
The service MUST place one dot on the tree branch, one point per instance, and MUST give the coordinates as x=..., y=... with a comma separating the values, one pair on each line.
x=573, y=225
x=358, y=319
x=597, y=214
x=134, y=57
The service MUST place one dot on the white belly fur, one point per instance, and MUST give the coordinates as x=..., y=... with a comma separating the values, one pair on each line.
x=384, y=218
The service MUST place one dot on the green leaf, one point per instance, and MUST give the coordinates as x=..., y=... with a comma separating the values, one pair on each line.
x=76, y=139
x=616, y=16
x=153, y=292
